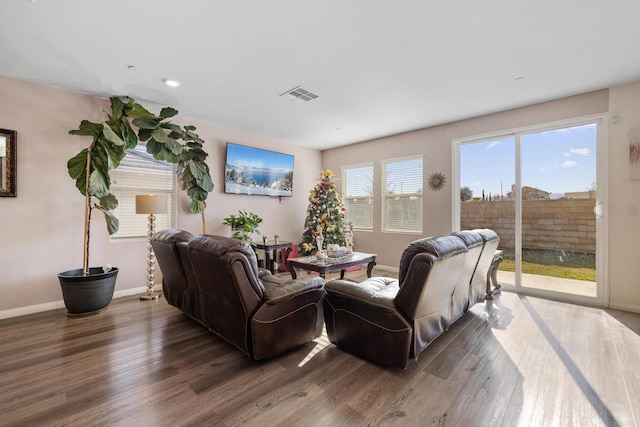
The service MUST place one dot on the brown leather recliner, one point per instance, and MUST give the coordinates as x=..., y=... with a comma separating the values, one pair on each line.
x=388, y=321
x=178, y=284
x=262, y=315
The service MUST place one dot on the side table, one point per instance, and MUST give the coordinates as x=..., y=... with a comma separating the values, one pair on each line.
x=271, y=249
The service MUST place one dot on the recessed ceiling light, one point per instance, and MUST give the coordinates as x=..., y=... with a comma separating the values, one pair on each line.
x=171, y=82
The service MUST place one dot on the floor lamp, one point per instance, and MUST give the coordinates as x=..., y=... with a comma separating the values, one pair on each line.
x=151, y=205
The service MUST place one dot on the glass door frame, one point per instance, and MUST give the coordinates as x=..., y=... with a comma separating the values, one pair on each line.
x=602, y=227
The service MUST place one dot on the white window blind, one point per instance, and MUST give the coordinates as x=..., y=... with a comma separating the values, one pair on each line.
x=402, y=187
x=140, y=173
x=357, y=195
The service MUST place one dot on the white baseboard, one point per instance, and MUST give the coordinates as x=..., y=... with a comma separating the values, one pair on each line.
x=625, y=307
x=38, y=308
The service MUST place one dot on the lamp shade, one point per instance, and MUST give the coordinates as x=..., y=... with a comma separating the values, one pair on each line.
x=149, y=204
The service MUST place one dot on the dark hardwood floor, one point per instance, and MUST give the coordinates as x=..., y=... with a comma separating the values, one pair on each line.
x=513, y=361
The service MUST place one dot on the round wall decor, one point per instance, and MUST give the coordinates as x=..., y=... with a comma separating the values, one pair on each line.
x=437, y=181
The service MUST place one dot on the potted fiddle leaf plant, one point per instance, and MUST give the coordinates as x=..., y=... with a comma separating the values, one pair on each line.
x=90, y=289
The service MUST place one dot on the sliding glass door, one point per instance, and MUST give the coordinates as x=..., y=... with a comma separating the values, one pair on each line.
x=538, y=189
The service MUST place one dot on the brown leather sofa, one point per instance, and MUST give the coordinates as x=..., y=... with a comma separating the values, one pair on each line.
x=215, y=280
x=388, y=321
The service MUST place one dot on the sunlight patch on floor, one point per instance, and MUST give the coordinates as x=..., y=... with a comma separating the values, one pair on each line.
x=321, y=343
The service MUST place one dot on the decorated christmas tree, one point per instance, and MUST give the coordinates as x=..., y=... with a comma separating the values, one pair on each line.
x=325, y=216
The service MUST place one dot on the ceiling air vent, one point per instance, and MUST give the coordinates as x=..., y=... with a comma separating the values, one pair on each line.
x=297, y=94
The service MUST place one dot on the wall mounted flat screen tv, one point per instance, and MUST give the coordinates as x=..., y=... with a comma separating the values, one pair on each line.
x=252, y=170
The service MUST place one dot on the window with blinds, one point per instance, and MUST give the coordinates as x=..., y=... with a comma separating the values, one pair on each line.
x=357, y=195
x=402, y=188
x=140, y=173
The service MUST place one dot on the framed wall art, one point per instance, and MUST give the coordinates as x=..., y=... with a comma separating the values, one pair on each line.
x=8, y=160
x=634, y=153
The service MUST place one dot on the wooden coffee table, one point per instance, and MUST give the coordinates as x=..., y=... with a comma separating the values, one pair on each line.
x=328, y=265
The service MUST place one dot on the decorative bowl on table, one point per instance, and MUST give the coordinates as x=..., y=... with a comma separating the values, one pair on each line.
x=336, y=252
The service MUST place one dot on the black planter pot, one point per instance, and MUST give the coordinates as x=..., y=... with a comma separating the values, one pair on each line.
x=90, y=294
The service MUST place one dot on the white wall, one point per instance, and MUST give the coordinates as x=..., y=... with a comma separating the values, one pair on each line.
x=624, y=229
x=41, y=229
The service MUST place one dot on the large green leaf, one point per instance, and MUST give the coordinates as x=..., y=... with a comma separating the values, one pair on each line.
x=153, y=147
x=198, y=170
x=100, y=158
x=191, y=136
x=109, y=202
x=159, y=135
x=172, y=128
x=111, y=136
x=77, y=167
x=205, y=183
x=196, y=193
x=146, y=122
x=184, y=173
x=115, y=154
x=130, y=138
x=167, y=112
x=197, y=206
x=88, y=128
x=194, y=145
x=137, y=111
x=198, y=155
x=173, y=145
x=113, y=224
x=98, y=184
x=166, y=155
x=144, y=134
x=117, y=106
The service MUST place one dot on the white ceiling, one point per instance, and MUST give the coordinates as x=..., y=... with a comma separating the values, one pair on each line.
x=379, y=67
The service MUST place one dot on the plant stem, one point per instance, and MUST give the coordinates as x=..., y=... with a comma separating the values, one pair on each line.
x=87, y=217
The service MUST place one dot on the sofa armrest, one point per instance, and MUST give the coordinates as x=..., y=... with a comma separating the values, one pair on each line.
x=262, y=272
x=277, y=289
x=378, y=291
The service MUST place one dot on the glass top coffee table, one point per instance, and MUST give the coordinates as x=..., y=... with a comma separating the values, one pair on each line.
x=328, y=265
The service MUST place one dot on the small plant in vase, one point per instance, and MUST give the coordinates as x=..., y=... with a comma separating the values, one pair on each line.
x=243, y=225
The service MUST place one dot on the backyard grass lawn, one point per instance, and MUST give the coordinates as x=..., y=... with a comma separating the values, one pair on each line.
x=576, y=273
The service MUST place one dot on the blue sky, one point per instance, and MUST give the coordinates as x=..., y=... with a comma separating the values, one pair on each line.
x=240, y=155
x=557, y=161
